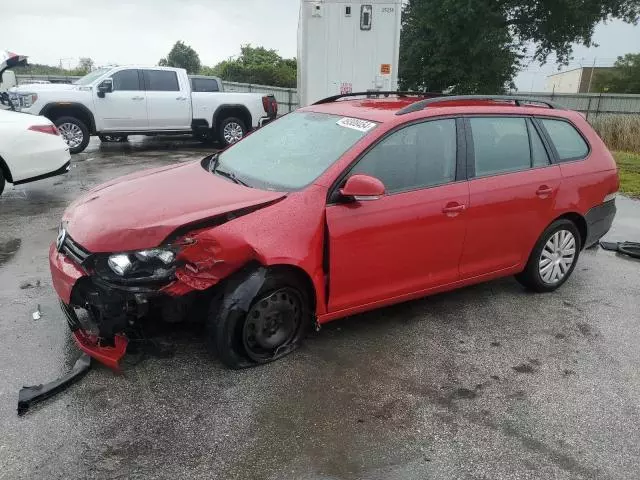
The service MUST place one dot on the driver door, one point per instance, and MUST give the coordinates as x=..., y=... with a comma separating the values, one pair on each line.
x=125, y=108
x=411, y=239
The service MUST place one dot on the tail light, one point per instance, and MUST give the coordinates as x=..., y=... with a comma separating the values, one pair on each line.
x=50, y=129
x=270, y=105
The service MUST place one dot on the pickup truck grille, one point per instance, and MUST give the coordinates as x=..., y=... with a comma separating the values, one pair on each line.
x=73, y=250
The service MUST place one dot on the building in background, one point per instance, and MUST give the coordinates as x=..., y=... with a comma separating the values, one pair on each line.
x=578, y=80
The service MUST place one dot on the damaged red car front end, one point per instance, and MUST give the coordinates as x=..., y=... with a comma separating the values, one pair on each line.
x=158, y=244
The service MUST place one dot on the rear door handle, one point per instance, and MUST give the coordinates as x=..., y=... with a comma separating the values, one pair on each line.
x=137, y=98
x=181, y=98
x=453, y=209
x=544, y=191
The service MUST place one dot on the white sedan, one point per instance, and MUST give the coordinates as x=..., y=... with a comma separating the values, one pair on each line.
x=31, y=149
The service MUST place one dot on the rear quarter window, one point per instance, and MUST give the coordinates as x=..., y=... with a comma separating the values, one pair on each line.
x=567, y=141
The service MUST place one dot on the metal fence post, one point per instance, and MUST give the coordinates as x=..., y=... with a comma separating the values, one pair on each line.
x=588, y=108
x=290, y=100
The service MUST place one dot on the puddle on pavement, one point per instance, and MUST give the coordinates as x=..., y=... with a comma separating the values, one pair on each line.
x=8, y=249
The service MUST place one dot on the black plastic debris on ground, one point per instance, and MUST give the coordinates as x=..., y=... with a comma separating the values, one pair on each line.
x=29, y=396
x=632, y=249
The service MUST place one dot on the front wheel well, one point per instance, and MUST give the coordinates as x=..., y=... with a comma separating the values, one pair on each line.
x=580, y=223
x=302, y=279
x=56, y=112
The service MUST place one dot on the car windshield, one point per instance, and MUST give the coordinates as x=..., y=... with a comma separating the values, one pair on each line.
x=293, y=151
x=89, y=78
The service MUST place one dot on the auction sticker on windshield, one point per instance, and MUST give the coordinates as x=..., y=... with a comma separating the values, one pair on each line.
x=356, y=124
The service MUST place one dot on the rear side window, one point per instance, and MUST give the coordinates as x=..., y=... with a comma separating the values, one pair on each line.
x=568, y=142
x=539, y=155
x=161, y=81
x=204, y=85
x=418, y=156
x=501, y=145
x=126, y=80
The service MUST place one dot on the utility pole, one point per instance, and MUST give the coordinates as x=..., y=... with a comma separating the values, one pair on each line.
x=591, y=76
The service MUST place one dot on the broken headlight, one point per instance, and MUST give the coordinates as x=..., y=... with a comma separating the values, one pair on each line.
x=154, y=264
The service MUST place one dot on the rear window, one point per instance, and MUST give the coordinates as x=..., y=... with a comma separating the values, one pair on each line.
x=204, y=85
x=161, y=81
x=568, y=142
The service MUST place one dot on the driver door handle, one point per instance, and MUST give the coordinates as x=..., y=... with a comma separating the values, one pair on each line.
x=453, y=209
x=182, y=99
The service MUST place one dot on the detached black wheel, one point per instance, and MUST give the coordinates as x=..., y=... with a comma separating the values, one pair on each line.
x=553, y=258
x=273, y=326
x=74, y=132
x=231, y=130
x=113, y=138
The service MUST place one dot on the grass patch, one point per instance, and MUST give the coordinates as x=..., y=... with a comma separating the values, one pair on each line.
x=629, y=165
x=619, y=132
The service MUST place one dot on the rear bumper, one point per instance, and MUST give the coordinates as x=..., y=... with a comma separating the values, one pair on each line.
x=599, y=220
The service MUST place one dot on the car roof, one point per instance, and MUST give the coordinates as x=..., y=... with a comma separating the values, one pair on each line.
x=384, y=110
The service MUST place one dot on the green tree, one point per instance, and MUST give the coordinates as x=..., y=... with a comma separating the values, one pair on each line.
x=468, y=46
x=182, y=56
x=623, y=78
x=257, y=65
x=85, y=65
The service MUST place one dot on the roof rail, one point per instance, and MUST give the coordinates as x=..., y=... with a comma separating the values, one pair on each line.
x=377, y=93
x=422, y=104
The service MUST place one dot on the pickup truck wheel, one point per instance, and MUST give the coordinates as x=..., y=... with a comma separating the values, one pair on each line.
x=113, y=138
x=74, y=132
x=231, y=130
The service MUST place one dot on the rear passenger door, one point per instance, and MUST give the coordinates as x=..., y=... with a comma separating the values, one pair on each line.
x=512, y=188
x=168, y=102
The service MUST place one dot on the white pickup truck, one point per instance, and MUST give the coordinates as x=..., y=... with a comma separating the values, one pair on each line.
x=120, y=101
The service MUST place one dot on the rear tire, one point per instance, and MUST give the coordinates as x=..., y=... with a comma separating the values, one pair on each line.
x=553, y=258
x=231, y=130
x=2, y=181
x=74, y=132
x=273, y=326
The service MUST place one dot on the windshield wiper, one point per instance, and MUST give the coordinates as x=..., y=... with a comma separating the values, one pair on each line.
x=231, y=176
x=213, y=162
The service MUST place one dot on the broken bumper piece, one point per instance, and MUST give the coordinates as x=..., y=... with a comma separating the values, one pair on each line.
x=89, y=343
x=31, y=395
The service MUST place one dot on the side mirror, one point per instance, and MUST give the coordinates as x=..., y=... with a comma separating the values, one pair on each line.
x=106, y=86
x=363, y=188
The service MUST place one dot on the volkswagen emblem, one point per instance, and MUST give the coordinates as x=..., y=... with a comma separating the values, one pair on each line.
x=62, y=234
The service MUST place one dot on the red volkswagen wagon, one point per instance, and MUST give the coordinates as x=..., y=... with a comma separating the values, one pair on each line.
x=340, y=207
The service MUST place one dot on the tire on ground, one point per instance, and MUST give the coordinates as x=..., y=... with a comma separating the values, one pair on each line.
x=85, y=132
x=530, y=276
x=224, y=333
x=221, y=126
x=1, y=181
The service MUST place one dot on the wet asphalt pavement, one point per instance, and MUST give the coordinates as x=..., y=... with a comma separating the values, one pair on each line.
x=488, y=382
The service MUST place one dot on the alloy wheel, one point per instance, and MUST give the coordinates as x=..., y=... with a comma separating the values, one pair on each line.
x=557, y=257
x=232, y=132
x=71, y=133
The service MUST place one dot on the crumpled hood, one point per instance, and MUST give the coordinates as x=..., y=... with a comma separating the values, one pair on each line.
x=141, y=210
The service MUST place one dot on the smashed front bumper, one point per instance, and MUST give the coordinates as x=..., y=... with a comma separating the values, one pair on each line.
x=111, y=310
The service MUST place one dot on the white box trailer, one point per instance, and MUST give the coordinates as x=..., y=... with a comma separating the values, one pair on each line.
x=347, y=46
